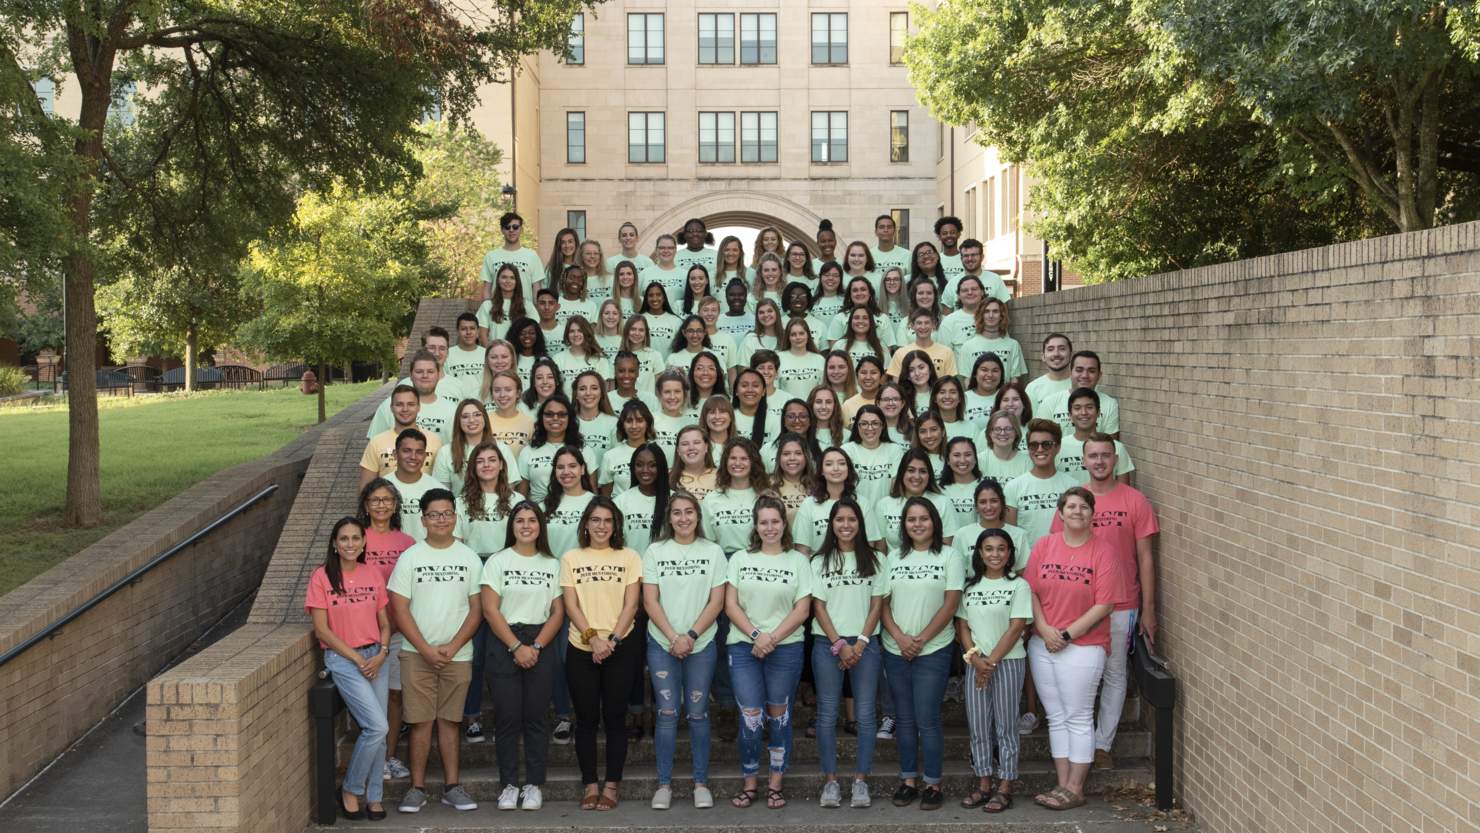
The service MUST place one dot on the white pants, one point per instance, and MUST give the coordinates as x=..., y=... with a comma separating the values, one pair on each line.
x=1066, y=683
x=1113, y=686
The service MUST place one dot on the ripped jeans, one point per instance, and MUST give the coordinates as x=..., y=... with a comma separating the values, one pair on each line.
x=681, y=684
x=760, y=683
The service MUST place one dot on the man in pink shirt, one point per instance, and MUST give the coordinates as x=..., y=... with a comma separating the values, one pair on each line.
x=1125, y=520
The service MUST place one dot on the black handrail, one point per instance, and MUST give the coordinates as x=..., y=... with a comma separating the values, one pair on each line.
x=324, y=704
x=1159, y=690
x=138, y=573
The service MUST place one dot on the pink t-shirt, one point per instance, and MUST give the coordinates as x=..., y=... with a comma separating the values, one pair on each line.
x=1123, y=516
x=1070, y=580
x=383, y=550
x=352, y=614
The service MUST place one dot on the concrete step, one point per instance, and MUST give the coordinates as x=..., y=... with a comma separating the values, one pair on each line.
x=800, y=814
x=1132, y=742
x=639, y=781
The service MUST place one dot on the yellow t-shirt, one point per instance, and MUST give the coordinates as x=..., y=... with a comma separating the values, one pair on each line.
x=600, y=579
x=943, y=357
x=512, y=433
x=380, y=453
x=851, y=407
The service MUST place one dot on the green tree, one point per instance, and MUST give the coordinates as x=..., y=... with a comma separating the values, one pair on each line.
x=461, y=188
x=338, y=286
x=277, y=96
x=1377, y=90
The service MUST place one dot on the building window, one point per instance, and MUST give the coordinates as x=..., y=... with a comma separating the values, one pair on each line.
x=757, y=38
x=644, y=38
x=121, y=108
x=757, y=137
x=940, y=140
x=716, y=137
x=575, y=138
x=46, y=93
x=899, y=29
x=968, y=217
x=716, y=39
x=830, y=38
x=576, y=220
x=575, y=42
x=901, y=226
x=830, y=136
x=1012, y=201
x=645, y=137
x=989, y=210
x=899, y=135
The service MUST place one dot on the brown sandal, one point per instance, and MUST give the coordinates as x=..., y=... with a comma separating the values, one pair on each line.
x=998, y=802
x=976, y=798
x=589, y=802
x=1062, y=799
x=607, y=802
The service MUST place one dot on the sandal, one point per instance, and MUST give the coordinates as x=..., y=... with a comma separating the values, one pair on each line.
x=744, y=798
x=590, y=800
x=998, y=802
x=1059, y=798
x=975, y=799
x=775, y=799
x=606, y=801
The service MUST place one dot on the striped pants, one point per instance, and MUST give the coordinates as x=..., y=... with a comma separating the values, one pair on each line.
x=992, y=713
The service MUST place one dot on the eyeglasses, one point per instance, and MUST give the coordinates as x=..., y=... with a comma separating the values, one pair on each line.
x=438, y=516
x=557, y=414
x=1003, y=429
x=1041, y=444
x=376, y=501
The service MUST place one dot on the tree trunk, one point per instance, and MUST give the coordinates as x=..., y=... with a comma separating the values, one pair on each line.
x=190, y=357
x=323, y=382
x=84, y=506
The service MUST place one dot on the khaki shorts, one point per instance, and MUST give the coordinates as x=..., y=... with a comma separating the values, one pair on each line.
x=427, y=693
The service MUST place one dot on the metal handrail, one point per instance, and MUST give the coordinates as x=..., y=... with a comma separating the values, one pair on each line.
x=1158, y=690
x=138, y=573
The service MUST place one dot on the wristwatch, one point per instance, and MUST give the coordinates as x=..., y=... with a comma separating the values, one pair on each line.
x=754, y=633
x=1064, y=634
x=385, y=647
x=693, y=635
x=614, y=640
x=537, y=646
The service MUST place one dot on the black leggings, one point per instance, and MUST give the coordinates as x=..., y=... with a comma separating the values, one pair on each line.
x=600, y=692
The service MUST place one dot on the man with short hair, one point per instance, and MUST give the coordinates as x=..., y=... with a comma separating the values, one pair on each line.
x=526, y=261
x=886, y=254
x=922, y=323
x=411, y=482
x=1056, y=352
x=1084, y=413
x=1033, y=496
x=972, y=257
x=464, y=362
x=379, y=459
x=547, y=305
x=435, y=344
x=434, y=592
x=948, y=232
x=1124, y=520
x=960, y=325
x=1084, y=372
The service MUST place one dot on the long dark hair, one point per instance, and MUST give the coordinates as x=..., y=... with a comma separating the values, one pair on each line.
x=719, y=378
x=331, y=561
x=853, y=436
x=948, y=474
x=530, y=395
x=364, y=504
x=542, y=542
x=913, y=455
x=661, y=487
x=979, y=567
x=555, y=491
x=680, y=344
x=572, y=430
x=863, y=552
x=937, y=535
x=850, y=483
x=758, y=425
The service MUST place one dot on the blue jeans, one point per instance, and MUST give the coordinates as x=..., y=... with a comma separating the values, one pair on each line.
x=473, y=703
x=864, y=678
x=681, y=683
x=760, y=683
x=919, y=689
x=366, y=700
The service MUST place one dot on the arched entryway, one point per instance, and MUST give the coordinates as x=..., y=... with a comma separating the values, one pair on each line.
x=747, y=209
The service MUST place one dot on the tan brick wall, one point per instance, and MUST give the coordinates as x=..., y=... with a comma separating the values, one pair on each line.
x=1307, y=426
x=62, y=686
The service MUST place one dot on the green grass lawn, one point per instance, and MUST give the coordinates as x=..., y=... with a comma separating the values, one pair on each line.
x=153, y=448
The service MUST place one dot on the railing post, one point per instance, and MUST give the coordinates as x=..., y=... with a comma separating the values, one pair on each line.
x=1158, y=690
x=323, y=704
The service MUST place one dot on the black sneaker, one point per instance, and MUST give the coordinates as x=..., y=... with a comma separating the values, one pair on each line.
x=931, y=798
x=474, y=732
x=851, y=727
x=905, y=795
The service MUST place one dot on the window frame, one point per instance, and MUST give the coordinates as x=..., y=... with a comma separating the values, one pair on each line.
x=829, y=142
x=896, y=52
x=646, y=31
x=575, y=41
x=831, y=45
x=568, y=146
x=573, y=221
x=647, y=129
x=699, y=38
x=759, y=46
x=719, y=145
x=901, y=217
x=899, y=153
x=760, y=141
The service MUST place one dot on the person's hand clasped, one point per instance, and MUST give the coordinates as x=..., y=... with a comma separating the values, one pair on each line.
x=600, y=649
x=526, y=657
x=764, y=645
x=681, y=646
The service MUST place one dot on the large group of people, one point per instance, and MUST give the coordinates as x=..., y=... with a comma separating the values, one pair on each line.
x=694, y=485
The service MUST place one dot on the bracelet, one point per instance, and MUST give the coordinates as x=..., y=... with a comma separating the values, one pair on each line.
x=614, y=640
x=966, y=657
x=516, y=646
x=692, y=635
x=587, y=635
x=838, y=645
x=865, y=639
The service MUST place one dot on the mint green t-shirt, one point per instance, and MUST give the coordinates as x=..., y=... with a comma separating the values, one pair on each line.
x=599, y=434
x=708, y=257
x=616, y=468
x=729, y=518
x=966, y=539
x=989, y=606
x=767, y=588
x=537, y=462
x=995, y=468
x=1006, y=349
x=441, y=585
x=670, y=279
x=526, y=585
x=684, y=574
x=918, y=583
x=563, y=525
x=809, y=525
x=890, y=518
x=486, y=535
x=978, y=407
x=1056, y=408
x=798, y=375
x=442, y=468
x=962, y=497
x=662, y=328
x=411, y=502
x=875, y=468
x=641, y=261
x=1041, y=388
x=531, y=268
x=637, y=518
x=1070, y=459
x=465, y=367
x=896, y=256
x=847, y=594
x=955, y=329
x=1036, y=500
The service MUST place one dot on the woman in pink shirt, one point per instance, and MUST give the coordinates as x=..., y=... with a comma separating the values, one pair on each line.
x=1075, y=579
x=347, y=598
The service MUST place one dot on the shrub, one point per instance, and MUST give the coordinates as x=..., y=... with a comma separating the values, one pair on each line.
x=12, y=380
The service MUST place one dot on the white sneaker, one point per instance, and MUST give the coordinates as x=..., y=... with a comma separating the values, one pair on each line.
x=458, y=799
x=703, y=798
x=530, y=798
x=832, y=795
x=1027, y=723
x=509, y=798
x=395, y=769
x=662, y=797
x=886, y=729
x=860, y=793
